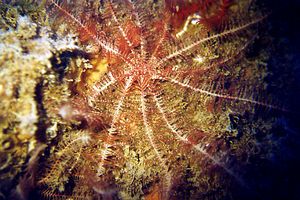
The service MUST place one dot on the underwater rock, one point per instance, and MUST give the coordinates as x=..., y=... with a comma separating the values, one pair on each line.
x=25, y=59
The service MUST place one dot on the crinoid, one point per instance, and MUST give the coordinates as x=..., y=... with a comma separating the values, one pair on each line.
x=154, y=122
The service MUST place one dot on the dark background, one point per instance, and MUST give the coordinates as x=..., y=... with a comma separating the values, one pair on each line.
x=280, y=178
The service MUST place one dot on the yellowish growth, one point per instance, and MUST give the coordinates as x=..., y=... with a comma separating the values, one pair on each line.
x=100, y=68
